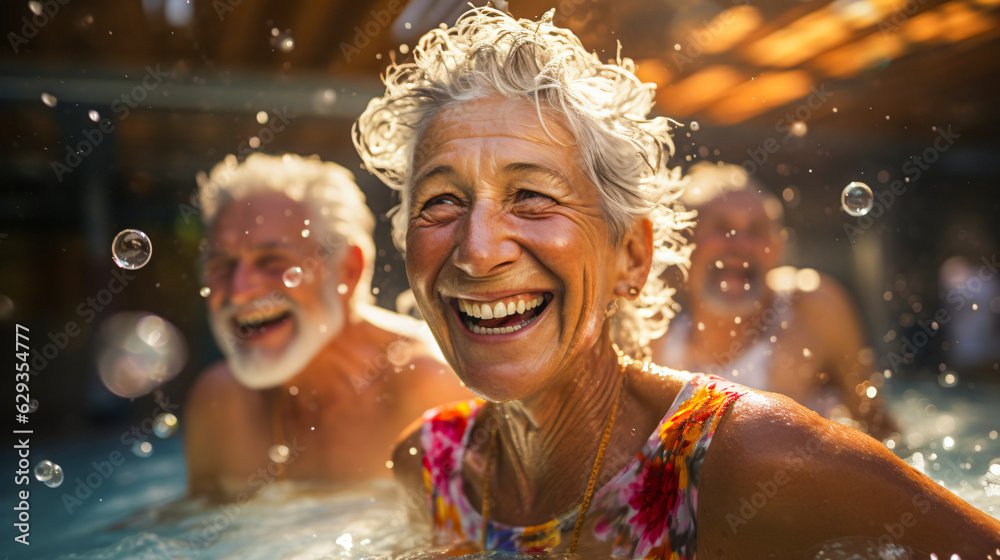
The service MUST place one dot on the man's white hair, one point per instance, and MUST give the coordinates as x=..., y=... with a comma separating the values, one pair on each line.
x=340, y=215
x=605, y=107
x=707, y=181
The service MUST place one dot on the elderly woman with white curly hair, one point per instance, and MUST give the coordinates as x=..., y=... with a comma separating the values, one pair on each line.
x=537, y=215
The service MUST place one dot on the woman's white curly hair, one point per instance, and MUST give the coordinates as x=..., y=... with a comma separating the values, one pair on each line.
x=605, y=106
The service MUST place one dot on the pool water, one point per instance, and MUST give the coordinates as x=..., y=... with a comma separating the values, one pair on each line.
x=138, y=511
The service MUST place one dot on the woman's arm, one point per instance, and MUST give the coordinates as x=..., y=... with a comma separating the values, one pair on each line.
x=781, y=482
x=408, y=470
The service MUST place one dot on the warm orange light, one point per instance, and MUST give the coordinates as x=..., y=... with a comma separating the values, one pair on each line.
x=867, y=52
x=799, y=41
x=764, y=93
x=652, y=70
x=698, y=90
x=726, y=29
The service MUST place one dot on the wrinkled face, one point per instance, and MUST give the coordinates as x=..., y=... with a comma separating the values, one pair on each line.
x=508, y=253
x=735, y=245
x=269, y=322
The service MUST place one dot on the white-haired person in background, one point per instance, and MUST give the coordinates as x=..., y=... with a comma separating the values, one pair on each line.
x=317, y=381
x=794, y=332
x=538, y=215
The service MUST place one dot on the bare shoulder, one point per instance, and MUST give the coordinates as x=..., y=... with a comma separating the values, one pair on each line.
x=655, y=387
x=216, y=391
x=779, y=479
x=221, y=416
x=829, y=297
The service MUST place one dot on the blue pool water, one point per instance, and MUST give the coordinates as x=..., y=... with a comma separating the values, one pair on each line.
x=138, y=509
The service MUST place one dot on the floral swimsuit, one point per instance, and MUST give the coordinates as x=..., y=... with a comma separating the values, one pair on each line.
x=646, y=511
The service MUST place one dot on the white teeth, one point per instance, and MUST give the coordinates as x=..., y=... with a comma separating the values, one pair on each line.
x=500, y=311
x=475, y=311
x=520, y=306
x=487, y=312
x=511, y=308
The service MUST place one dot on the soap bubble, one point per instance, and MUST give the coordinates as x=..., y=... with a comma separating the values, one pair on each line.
x=292, y=277
x=279, y=453
x=56, y=478
x=36, y=7
x=166, y=425
x=94, y=116
x=695, y=126
x=138, y=353
x=44, y=470
x=205, y=291
x=857, y=199
x=49, y=99
x=142, y=449
x=799, y=128
x=131, y=249
x=32, y=406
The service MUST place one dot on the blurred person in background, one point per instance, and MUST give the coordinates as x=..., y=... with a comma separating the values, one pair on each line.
x=317, y=381
x=794, y=332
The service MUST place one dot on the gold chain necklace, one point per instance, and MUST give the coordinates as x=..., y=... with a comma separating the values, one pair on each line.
x=623, y=362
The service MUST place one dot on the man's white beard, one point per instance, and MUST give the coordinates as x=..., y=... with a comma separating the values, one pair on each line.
x=259, y=368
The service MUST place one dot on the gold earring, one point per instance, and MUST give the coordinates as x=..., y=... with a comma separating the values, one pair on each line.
x=632, y=291
x=610, y=310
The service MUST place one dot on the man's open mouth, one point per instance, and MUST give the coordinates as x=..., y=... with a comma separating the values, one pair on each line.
x=502, y=316
x=253, y=323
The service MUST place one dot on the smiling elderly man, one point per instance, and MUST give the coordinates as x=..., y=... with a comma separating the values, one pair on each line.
x=317, y=382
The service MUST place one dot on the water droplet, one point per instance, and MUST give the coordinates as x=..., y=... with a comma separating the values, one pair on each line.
x=44, y=470
x=131, y=249
x=857, y=199
x=718, y=264
x=292, y=277
x=284, y=42
x=329, y=96
x=695, y=126
x=279, y=453
x=948, y=379
x=799, y=129
x=948, y=443
x=305, y=233
x=262, y=118
x=166, y=425
x=56, y=479
x=341, y=289
x=871, y=392
x=413, y=451
x=633, y=431
x=49, y=99
x=205, y=291
x=142, y=449
x=35, y=7
x=94, y=116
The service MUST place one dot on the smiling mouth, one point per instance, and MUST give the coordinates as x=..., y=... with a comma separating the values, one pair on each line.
x=255, y=324
x=503, y=316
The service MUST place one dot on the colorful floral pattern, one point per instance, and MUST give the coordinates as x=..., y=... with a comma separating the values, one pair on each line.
x=647, y=511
